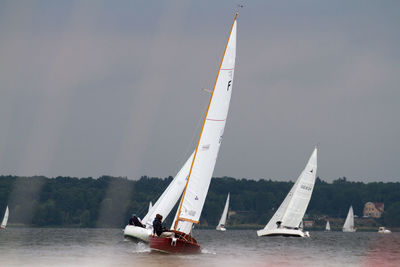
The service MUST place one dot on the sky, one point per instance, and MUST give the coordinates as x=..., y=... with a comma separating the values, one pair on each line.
x=91, y=88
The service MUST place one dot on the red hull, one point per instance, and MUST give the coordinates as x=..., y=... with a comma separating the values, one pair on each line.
x=182, y=243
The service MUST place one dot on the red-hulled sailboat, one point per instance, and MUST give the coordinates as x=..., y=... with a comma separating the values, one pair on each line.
x=204, y=159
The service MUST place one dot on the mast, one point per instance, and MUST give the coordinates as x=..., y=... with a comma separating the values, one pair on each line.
x=178, y=217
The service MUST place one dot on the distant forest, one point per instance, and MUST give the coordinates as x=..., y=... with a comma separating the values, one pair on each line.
x=108, y=201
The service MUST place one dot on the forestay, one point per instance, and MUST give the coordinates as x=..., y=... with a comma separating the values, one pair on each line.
x=209, y=141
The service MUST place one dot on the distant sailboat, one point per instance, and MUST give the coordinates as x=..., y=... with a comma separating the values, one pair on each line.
x=222, y=221
x=5, y=219
x=327, y=227
x=205, y=156
x=163, y=206
x=150, y=206
x=288, y=218
x=383, y=230
x=349, y=223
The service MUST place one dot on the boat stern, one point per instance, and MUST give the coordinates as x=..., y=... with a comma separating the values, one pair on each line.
x=137, y=233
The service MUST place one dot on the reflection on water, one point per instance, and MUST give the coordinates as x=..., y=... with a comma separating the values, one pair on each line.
x=106, y=247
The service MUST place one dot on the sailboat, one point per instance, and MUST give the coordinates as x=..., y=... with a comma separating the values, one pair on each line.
x=204, y=159
x=383, y=230
x=349, y=223
x=287, y=219
x=222, y=221
x=5, y=219
x=163, y=205
x=327, y=227
x=150, y=205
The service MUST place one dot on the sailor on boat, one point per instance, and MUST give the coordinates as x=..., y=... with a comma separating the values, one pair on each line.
x=134, y=220
x=160, y=230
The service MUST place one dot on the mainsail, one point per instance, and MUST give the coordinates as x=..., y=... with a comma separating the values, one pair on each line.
x=171, y=195
x=291, y=212
x=209, y=142
x=5, y=218
x=222, y=221
x=349, y=223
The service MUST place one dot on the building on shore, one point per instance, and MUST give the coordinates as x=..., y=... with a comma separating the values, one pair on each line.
x=373, y=209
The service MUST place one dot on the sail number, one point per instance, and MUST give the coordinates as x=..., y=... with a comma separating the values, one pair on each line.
x=229, y=84
x=305, y=187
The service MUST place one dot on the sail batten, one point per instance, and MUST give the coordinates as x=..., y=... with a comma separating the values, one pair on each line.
x=209, y=141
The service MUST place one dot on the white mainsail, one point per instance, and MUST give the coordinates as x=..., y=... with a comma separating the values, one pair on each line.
x=5, y=218
x=209, y=142
x=328, y=226
x=222, y=221
x=349, y=223
x=150, y=206
x=291, y=212
x=171, y=195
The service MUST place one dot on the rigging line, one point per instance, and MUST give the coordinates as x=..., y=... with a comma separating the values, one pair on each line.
x=189, y=147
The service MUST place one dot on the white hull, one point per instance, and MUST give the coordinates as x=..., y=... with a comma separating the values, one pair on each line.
x=137, y=233
x=220, y=228
x=383, y=230
x=282, y=232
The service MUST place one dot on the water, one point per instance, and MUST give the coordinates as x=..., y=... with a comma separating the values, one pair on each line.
x=106, y=247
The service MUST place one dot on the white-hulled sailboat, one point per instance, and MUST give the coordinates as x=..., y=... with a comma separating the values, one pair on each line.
x=349, y=223
x=163, y=206
x=327, y=226
x=287, y=219
x=222, y=221
x=204, y=159
x=5, y=219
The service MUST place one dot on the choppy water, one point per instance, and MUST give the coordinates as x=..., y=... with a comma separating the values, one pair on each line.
x=106, y=247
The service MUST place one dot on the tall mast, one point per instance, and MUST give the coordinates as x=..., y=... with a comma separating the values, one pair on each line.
x=178, y=218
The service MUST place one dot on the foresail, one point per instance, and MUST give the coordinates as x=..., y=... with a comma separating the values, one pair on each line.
x=222, y=221
x=171, y=195
x=278, y=216
x=209, y=141
x=5, y=218
x=302, y=194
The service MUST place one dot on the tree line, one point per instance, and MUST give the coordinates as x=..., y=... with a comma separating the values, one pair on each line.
x=108, y=201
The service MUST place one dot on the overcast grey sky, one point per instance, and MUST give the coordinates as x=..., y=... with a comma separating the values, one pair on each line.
x=114, y=87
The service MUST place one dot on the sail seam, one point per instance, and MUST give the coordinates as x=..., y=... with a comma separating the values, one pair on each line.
x=214, y=120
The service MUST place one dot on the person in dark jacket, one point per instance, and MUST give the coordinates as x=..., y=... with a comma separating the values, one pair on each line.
x=134, y=220
x=158, y=229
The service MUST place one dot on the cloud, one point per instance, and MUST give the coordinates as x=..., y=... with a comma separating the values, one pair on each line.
x=97, y=88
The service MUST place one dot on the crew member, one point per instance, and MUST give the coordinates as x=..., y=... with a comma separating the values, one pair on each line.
x=134, y=220
x=160, y=230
